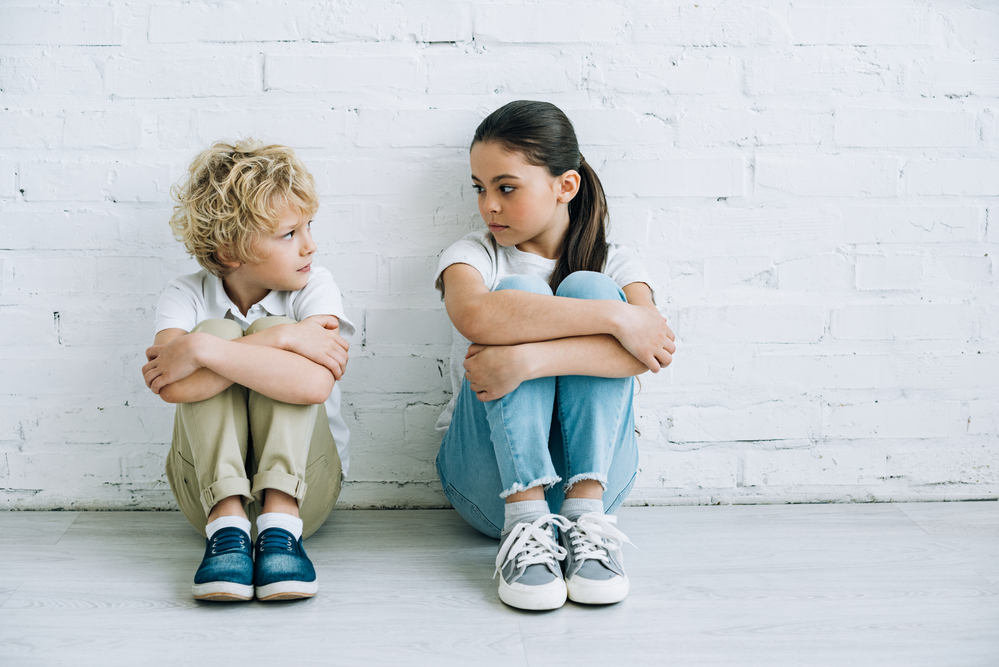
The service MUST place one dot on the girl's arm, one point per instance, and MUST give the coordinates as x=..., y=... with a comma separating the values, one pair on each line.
x=294, y=363
x=511, y=317
x=494, y=371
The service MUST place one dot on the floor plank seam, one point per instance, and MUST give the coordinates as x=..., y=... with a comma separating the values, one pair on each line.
x=12, y=594
x=68, y=526
x=914, y=522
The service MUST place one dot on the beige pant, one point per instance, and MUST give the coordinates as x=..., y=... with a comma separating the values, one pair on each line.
x=221, y=443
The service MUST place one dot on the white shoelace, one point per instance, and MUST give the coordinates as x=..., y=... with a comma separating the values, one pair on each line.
x=593, y=535
x=531, y=544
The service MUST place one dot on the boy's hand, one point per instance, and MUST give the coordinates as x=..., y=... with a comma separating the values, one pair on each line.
x=171, y=362
x=318, y=339
x=493, y=371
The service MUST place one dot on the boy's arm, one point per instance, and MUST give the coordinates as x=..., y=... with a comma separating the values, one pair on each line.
x=511, y=317
x=494, y=371
x=200, y=385
x=294, y=363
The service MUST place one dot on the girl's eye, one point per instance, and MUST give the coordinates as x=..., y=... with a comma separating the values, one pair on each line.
x=506, y=189
x=478, y=188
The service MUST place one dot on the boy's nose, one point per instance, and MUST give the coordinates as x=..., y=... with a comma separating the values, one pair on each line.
x=310, y=246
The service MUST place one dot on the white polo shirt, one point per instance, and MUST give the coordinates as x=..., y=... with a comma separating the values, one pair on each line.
x=191, y=299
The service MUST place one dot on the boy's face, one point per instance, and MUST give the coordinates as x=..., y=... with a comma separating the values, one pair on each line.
x=286, y=255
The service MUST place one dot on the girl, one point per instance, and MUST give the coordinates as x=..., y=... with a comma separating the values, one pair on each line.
x=561, y=321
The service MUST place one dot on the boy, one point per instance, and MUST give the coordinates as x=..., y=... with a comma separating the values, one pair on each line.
x=250, y=350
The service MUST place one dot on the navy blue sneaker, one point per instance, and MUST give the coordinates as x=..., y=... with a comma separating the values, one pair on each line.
x=283, y=571
x=226, y=572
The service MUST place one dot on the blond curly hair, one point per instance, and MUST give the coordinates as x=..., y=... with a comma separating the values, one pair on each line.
x=234, y=193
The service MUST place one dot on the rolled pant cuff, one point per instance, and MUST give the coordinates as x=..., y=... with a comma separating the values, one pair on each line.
x=230, y=486
x=279, y=481
x=587, y=475
x=544, y=481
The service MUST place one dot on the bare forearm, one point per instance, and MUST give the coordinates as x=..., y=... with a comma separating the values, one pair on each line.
x=276, y=373
x=199, y=386
x=293, y=363
x=599, y=356
x=206, y=383
x=512, y=317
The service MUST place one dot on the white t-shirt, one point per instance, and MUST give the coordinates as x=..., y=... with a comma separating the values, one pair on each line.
x=191, y=299
x=495, y=262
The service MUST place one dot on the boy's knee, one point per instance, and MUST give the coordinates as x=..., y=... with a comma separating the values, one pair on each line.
x=265, y=322
x=226, y=329
x=590, y=285
x=524, y=284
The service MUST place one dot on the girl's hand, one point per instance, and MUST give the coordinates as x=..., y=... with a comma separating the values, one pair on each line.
x=172, y=362
x=645, y=334
x=493, y=371
x=318, y=339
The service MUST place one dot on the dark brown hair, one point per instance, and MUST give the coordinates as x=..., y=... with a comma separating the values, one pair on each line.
x=544, y=136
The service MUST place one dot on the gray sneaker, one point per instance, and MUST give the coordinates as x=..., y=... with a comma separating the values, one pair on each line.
x=594, y=565
x=528, y=564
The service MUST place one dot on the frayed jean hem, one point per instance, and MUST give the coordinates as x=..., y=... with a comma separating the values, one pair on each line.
x=517, y=487
x=584, y=476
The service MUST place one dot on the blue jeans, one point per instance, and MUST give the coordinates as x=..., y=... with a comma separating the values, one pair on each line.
x=572, y=427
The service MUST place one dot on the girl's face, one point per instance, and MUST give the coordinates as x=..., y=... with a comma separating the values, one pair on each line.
x=521, y=203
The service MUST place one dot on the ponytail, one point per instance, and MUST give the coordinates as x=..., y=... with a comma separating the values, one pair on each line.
x=585, y=245
x=544, y=136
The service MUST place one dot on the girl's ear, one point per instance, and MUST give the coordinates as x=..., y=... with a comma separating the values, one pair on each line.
x=568, y=186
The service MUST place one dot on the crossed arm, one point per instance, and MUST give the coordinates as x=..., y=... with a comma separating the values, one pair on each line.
x=293, y=363
x=521, y=336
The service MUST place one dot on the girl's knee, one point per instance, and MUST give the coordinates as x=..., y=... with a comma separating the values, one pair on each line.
x=524, y=284
x=590, y=285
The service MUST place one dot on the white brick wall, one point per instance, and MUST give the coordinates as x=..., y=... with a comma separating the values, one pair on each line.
x=813, y=187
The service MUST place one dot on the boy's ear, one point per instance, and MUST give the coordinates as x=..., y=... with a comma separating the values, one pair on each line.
x=225, y=259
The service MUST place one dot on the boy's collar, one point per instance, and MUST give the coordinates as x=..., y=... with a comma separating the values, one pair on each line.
x=272, y=304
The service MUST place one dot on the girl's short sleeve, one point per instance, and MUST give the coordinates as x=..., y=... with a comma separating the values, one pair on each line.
x=471, y=250
x=321, y=296
x=625, y=268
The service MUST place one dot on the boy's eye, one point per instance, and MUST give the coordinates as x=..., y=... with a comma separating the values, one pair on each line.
x=289, y=235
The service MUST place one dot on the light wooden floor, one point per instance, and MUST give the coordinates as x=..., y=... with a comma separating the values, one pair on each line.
x=850, y=585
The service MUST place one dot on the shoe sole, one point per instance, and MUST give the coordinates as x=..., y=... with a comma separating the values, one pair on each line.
x=287, y=590
x=222, y=591
x=533, y=598
x=585, y=591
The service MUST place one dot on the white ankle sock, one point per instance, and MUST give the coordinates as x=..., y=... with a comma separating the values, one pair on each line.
x=573, y=508
x=227, y=522
x=290, y=523
x=526, y=511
